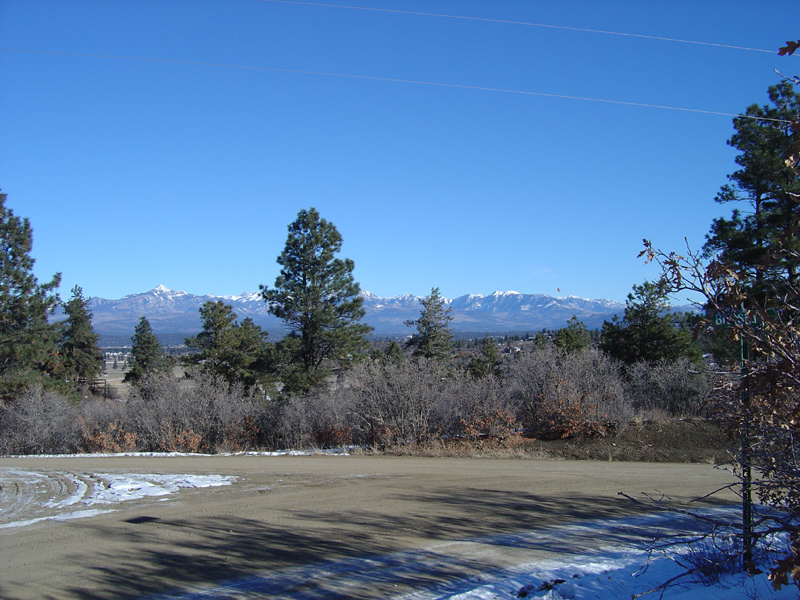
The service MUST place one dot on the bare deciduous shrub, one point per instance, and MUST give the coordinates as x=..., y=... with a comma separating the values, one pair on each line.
x=241, y=419
x=475, y=409
x=111, y=438
x=561, y=395
x=294, y=424
x=39, y=421
x=316, y=420
x=102, y=427
x=675, y=387
x=411, y=403
x=267, y=423
x=394, y=403
x=380, y=404
x=200, y=414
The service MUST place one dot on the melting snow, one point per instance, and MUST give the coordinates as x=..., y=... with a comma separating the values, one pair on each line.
x=618, y=572
x=90, y=491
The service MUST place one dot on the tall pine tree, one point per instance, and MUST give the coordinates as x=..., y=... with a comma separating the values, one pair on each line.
x=80, y=357
x=147, y=353
x=27, y=341
x=433, y=339
x=235, y=351
x=318, y=299
x=760, y=239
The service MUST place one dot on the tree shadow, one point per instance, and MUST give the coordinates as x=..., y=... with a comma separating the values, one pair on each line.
x=352, y=553
x=500, y=518
x=251, y=556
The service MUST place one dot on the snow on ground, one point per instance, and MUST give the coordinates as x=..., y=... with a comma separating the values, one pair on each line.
x=613, y=576
x=613, y=572
x=610, y=574
x=33, y=496
x=336, y=452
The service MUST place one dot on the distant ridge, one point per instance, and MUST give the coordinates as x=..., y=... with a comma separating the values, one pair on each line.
x=176, y=312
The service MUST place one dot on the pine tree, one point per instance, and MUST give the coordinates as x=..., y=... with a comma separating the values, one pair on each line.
x=318, y=299
x=542, y=339
x=488, y=363
x=760, y=239
x=573, y=337
x=394, y=353
x=27, y=341
x=234, y=351
x=649, y=331
x=80, y=356
x=217, y=319
x=433, y=339
x=251, y=357
x=147, y=353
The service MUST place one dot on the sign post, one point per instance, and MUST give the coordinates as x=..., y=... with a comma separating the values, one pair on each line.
x=743, y=318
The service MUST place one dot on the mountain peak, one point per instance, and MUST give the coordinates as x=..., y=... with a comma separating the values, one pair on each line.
x=164, y=291
x=508, y=293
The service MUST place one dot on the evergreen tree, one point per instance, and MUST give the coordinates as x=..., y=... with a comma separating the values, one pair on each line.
x=488, y=364
x=318, y=299
x=28, y=343
x=147, y=353
x=648, y=331
x=541, y=340
x=573, y=337
x=217, y=319
x=231, y=350
x=394, y=353
x=81, y=358
x=433, y=339
x=760, y=240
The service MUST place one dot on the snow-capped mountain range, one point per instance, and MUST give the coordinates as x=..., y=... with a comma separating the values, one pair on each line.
x=176, y=312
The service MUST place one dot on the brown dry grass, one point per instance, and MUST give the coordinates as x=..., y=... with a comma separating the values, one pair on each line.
x=677, y=440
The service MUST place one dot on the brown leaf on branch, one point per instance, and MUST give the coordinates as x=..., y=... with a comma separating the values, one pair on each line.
x=789, y=48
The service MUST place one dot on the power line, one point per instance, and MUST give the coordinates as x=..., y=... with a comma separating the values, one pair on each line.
x=527, y=24
x=390, y=80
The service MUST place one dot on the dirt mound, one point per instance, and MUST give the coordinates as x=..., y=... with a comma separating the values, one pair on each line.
x=689, y=440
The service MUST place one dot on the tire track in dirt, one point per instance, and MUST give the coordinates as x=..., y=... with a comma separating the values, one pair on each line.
x=31, y=496
x=27, y=497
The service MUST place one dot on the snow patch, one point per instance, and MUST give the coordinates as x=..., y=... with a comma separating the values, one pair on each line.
x=613, y=572
x=506, y=294
x=89, y=491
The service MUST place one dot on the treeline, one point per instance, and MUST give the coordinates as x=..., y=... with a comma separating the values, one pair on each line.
x=377, y=404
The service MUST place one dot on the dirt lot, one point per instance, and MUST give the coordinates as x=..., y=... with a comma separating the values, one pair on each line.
x=288, y=512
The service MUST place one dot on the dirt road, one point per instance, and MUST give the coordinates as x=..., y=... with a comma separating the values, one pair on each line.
x=285, y=514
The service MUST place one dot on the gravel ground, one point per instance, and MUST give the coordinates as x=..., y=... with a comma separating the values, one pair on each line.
x=285, y=513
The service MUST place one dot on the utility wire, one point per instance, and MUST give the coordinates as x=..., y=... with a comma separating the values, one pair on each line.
x=527, y=24
x=390, y=80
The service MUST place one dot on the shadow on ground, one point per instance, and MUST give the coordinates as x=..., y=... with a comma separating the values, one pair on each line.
x=356, y=553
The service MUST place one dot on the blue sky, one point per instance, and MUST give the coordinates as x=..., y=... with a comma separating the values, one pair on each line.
x=183, y=163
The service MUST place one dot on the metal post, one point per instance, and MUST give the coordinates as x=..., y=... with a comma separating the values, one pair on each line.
x=747, y=499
